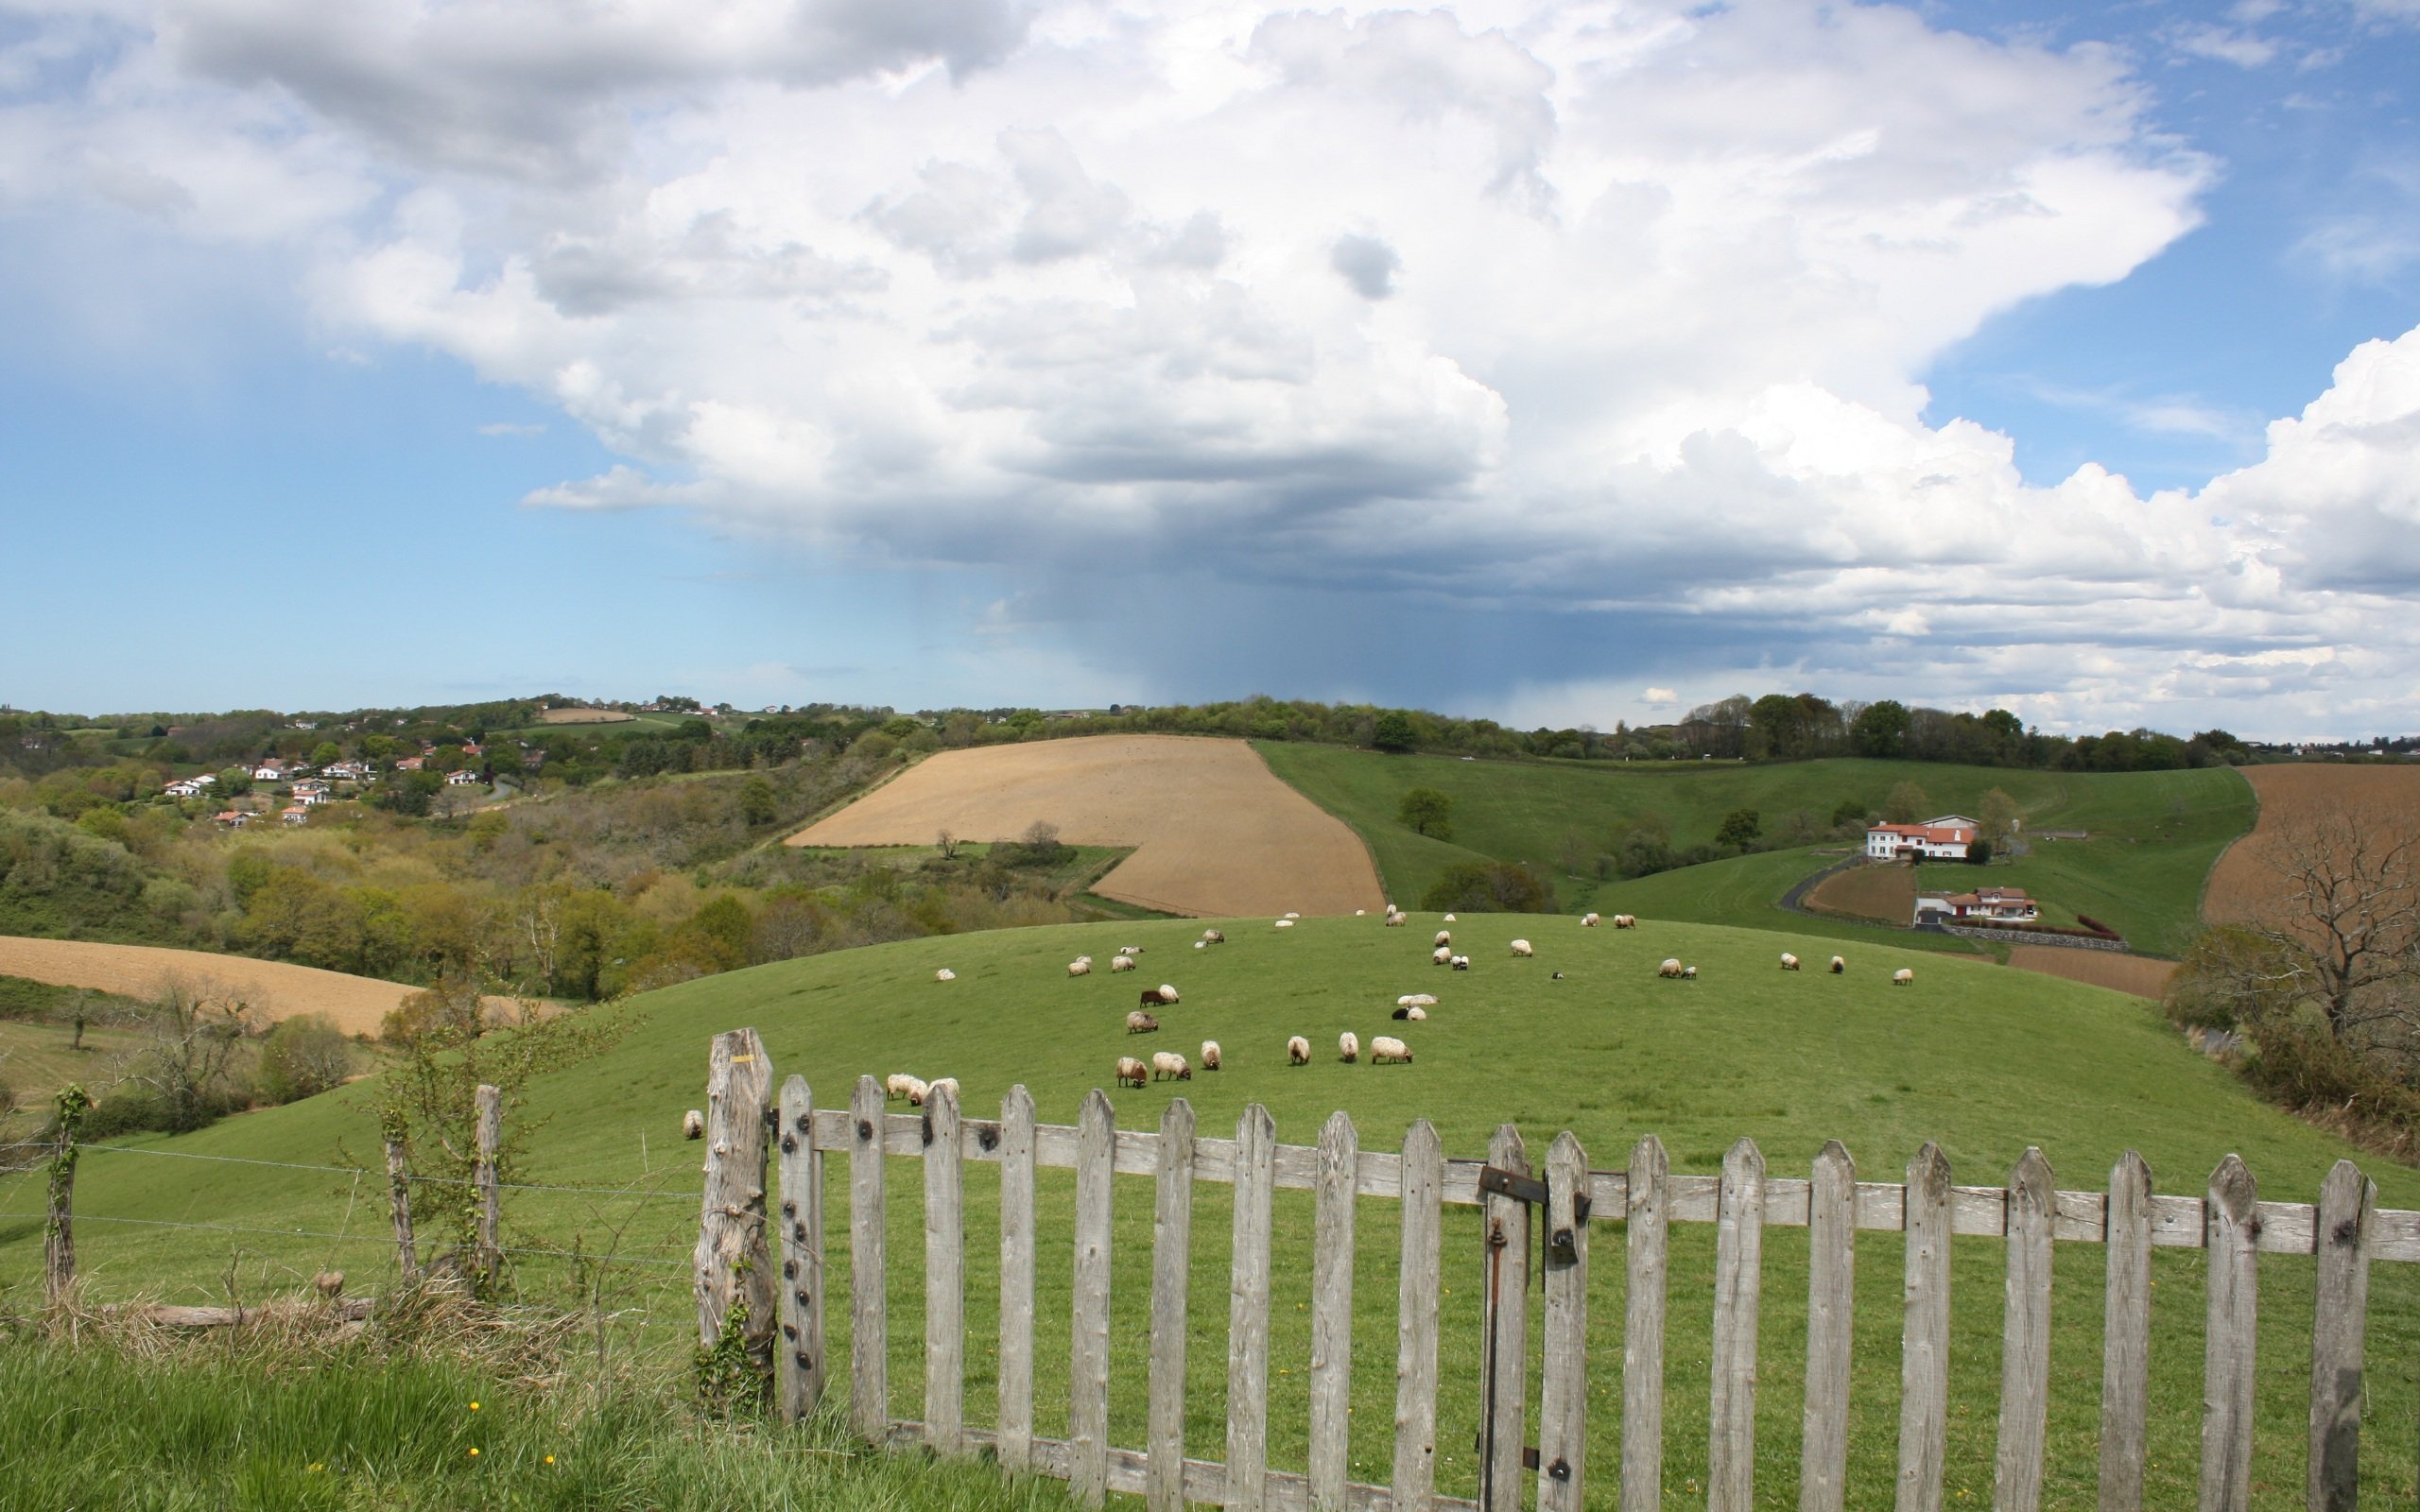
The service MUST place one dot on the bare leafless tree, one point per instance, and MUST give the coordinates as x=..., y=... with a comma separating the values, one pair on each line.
x=2348, y=894
x=190, y=1034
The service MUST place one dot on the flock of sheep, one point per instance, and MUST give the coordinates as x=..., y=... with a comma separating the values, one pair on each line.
x=1167, y=1065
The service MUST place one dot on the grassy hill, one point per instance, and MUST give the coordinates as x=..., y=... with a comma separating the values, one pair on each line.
x=2155, y=834
x=1982, y=1059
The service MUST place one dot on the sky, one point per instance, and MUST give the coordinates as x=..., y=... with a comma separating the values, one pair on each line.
x=1558, y=362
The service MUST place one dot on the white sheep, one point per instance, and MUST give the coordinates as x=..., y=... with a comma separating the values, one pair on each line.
x=1298, y=1051
x=693, y=1125
x=899, y=1084
x=1200, y=944
x=1209, y=1054
x=1839, y=966
x=1079, y=968
x=1689, y=972
x=1167, y=994
x=1588, y=921
x=1140, y=1023
x=944, y=975
x=1396, y=920
x=1384, y=1048
x=1902, y=977
x=1460, y=962
x=1425, y=999
x=1171, y=1065
x=1416, y=1014
x=1285, y=923
x=1215, y=937
x=1521, y=946
x=937, y=1084
x=1442, y=956
x=1121, y=963
x=1450, y=919
x=1625, y=922
x=1445, y=937
x=1132, y=1072
x=1671, y=967
x=1348, y=1046
x=1361, y=913
x=918, y=1091
x=1789, y=962
x=1130, y=949
x=1291, y=915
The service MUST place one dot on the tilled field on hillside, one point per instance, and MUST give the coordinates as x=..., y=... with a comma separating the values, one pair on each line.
x=271, y=990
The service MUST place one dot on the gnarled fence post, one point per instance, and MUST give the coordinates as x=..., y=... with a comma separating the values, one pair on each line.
x=734, y=1269
x=59, y=1229
x=487, y=1256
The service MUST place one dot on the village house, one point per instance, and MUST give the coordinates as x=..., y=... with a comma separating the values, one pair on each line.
x=1942, y=839
x=464, y=778
x=184, y=787
x=310, y=792
x=1984, y=905
x=233, y=819
x=411, y=764
x=295, y=813
x=347, y=771
x=270, y=772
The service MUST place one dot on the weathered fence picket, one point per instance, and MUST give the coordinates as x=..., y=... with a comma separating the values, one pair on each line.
x=2344, y=1233
x=487, y=1250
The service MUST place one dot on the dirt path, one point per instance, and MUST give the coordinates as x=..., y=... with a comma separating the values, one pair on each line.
x=273, y=989
x=1215, y=833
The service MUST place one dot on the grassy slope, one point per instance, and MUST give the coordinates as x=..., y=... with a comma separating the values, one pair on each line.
x=2155, y=834
x=1982, y=1060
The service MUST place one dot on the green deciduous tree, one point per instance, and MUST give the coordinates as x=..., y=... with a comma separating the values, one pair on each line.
x=1906, y=804
x=1881, y=728
x=1739, y=828
x=1427, y=811
x=1392, y=731
x=1489, y=887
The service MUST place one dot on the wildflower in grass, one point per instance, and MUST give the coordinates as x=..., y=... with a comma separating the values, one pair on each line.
x=474, y=1450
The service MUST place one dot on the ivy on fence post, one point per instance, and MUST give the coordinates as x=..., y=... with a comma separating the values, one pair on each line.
x=59, y=1229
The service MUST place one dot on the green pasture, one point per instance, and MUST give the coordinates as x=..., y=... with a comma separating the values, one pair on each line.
x=1981, y=1060
x=2155, y=834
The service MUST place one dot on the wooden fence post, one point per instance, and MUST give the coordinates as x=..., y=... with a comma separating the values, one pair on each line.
x=1339, y=1163
x=1248, y=1311
x=1424, y=1194
x=2231, y=1230
x=869, y=1324
x=2126, y=1347
x=799, y=1373
x=399, y=1212
x=1739, y=1278
x=1504, y=1331
x=58, y=1226
x=735, y=1270
x=1563, y=1393
x=1171, y=1268
x=487, y=1253
x=945, y=1276
x=2025, y=1337
x=2341, y=1306
x=1017, y=1279
x=1643, y=1329
x=1923, y=1358
x=1088, y=1342
x=1831, y=1301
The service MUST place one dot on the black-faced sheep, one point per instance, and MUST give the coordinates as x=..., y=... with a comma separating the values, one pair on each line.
x=1625, y=922
x=1442, y=956
x=1521, y=946
x=899, y=1084
x=1902, y=977
x=1670, y=968
x=1132, y=1072
x=1460, y=962
x=1789, y=962
x=1348, y=1046
x=1384, y=1048
x=693, y=1125
x=1689, y=972
x=1079, y=968
x=1215, y=937
x=1121, y=963
x=1445, y=937
x=1171, y=1065
x=1141, y=1023
x=937, y=1084
x=1839, y=966
x=1588, y=921
x=1209, y=1054
x=1298, y=1051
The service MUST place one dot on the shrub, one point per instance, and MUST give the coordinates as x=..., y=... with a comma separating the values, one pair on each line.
x=1426, y=811
x=304, y=1056
x=1490, y=886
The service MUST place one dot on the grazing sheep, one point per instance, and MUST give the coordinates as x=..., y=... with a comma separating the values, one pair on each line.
x=1361, y=913
x=1348, y=1046
x=1789, y=962
x=1689, y=972
x=1167, y=994
x=1588, y=921
x=1416, y=1014
x=1902, y=977
x=1132, y=1072
x=899, y=1084
x=1460, y=962
x=1416, y=1000
x=1209, y=1054
x=917, y=1093
x=1401, y=1013
x=1293, y=915
x=1079, y=968
x=1670, y=968
x=1121, y=963
x=1140, y=1023
x=1839, y=966
x=1216, y=936
x=693, y=1125
x=1445, y=937
x=1625, y=922
x=1442, y=956
x=1521, y=946
x=944, y=975
x=1285, y=923
x=1384, y=1048
x=940, y=1082
x=1298, y=1051
x=1450, y=919
x=1171, y=1065
x=329, y=1283
x=1556, y=976
x=1396, y=920
x=1156, y=997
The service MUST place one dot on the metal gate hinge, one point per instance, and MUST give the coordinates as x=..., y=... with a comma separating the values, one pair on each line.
x=1525, y=1189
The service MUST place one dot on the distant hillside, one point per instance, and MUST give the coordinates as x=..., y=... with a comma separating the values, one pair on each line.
x=2155, y=835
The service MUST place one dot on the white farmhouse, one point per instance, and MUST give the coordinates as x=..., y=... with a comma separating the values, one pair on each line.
x=1942, y=839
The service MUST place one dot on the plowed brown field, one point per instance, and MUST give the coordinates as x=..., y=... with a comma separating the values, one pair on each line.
x=272, y=989
x=2243, y=885
x=2139, y=974
x=1885, y=893
x=1215, y=833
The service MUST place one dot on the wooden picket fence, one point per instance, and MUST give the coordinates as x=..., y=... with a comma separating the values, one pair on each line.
x=736, y=1282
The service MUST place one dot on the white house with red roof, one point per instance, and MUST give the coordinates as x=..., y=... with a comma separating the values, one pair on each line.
x=1984, y=905
x=1942, y=839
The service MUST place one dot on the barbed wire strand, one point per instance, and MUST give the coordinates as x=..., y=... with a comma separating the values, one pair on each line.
x=365, y=1239
x=356, y=1171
